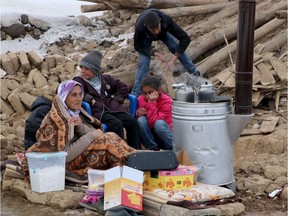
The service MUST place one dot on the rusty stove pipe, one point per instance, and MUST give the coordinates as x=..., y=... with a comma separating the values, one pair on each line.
x=244, y=57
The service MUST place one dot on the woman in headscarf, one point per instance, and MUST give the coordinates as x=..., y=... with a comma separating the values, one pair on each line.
x=68, y=127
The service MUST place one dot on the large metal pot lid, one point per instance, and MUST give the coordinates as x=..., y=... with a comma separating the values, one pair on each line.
x=207, y=98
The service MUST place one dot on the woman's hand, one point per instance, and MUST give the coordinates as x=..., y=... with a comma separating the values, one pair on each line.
x=76, y=121
x=97, y=133
x=141, y=111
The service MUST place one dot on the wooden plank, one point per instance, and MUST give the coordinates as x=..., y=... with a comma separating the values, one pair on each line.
x=267, y=55
x=250, y=131
x=268, y=65
x=277, y=99
x=283, y=92
x=228, y=78
x=265, y=75
x=258, y=61
x=260, y=98
x=281, y=14
x=258, y=48
x=261, y=58
x=278, y=95
x=280, y=68
x=256, y=77
x=269, y=124
x=256, y=57
x=255, y=96
x=274, y=74
x=272, y=87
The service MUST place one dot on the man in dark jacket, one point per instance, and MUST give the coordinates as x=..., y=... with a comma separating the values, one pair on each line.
x=40, y=107
x=153, y=25
x=106, y=96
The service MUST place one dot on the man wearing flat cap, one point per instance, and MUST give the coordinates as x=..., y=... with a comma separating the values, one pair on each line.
x=153, y=25
x=106, y=96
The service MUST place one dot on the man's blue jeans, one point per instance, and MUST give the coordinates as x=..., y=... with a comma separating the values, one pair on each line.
x=144, y=62
x=158, y=137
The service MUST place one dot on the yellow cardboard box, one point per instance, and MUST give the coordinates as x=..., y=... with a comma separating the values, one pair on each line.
x=183, y=158
x=183, y=177
x=179, y=178
x=123, y=188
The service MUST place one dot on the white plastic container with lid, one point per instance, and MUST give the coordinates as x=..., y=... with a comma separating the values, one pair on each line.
x=47, y=171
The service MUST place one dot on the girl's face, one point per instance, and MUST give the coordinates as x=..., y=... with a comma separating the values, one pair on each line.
x=87, y=73
x=147, y=90
x=74, y=98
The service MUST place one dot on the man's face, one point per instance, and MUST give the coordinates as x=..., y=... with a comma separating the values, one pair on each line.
x=156, y=30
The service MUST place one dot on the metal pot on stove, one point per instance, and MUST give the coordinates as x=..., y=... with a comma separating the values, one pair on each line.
x=187, y=93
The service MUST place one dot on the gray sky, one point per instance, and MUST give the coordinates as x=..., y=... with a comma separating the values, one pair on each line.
x=46, y=8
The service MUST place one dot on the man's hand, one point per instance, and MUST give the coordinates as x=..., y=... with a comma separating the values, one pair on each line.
x=93, y=102
x=153, y=96
x=159, y=56
x=171, y=64
x=141, y=112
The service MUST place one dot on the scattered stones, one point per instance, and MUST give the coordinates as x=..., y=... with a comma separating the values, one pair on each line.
x=15, y=30
x=231, y=209
x=24, y=19
x=34, y=27
x=284, y=193
x=273, y=172
x=257, y=183
x=7, y=64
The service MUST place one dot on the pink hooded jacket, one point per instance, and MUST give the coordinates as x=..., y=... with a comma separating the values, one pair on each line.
x=161, y=109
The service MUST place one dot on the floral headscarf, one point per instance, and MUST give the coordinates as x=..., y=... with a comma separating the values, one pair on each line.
x=65, y=88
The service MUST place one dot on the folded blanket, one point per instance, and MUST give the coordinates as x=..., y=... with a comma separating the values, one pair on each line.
x=206, y=204
x=199, y=196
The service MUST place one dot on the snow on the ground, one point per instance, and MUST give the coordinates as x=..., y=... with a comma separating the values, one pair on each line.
x=59, y=14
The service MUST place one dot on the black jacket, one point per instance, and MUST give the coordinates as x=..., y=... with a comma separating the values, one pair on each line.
x=143, y=37
x=111, y=98
x=40, y=107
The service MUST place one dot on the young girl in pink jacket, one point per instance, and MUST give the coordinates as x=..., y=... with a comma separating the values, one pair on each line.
x=155, y=115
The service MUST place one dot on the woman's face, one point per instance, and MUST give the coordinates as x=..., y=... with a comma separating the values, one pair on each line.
x=74, y=98
x=87, y=73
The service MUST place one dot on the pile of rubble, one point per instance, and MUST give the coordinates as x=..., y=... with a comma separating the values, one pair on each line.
x=28, y=76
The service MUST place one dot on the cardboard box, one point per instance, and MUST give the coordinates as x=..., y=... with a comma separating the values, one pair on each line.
x=123, y=188
x=179, y=178
x=183, y=158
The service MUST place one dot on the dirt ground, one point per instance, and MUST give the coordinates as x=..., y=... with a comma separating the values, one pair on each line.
x=264, y=149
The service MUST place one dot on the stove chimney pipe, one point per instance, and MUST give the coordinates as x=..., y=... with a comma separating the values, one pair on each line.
x=244, y=57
